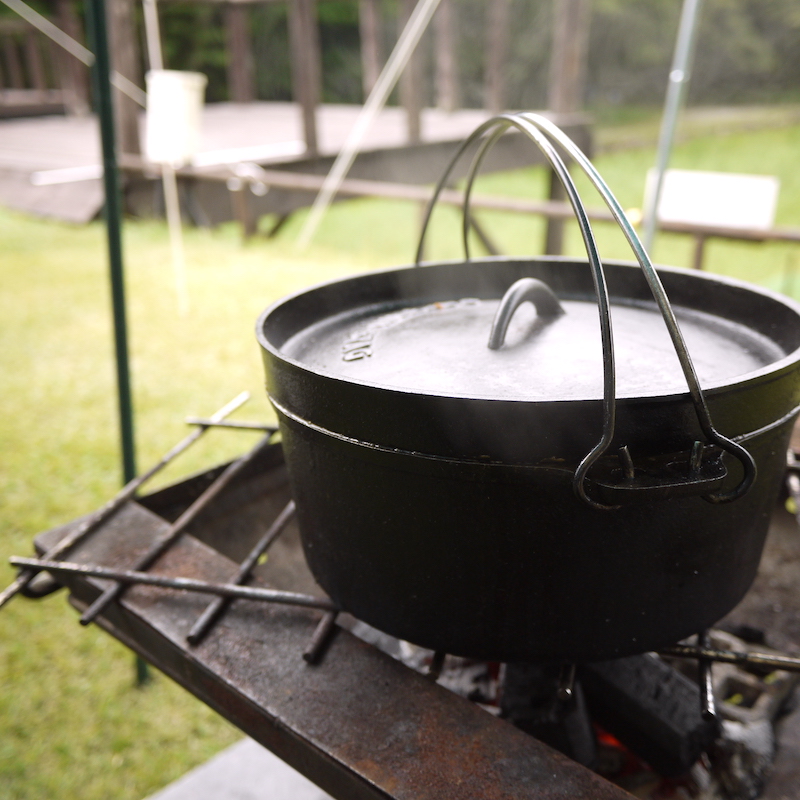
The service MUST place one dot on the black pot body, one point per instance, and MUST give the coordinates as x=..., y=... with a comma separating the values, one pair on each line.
x=451, y=522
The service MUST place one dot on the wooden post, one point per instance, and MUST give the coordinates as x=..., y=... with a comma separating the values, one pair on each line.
x=554, y=229
x=33, y=59
x=447, y=94
x=568, y=57
x=369, y=25
x=241, y=74
x=125, y=60
x=699, y=251
x=497, y=27
x=566, y=87
x=13, y=63
x=306, y=66
x=410, y=89
x=73, y=77
x=240, y=202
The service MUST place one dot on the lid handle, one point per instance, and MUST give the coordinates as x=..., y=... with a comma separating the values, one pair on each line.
x=522, y=291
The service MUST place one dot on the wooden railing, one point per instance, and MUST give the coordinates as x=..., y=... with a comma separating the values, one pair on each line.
x=304, y=44
x=36, y=76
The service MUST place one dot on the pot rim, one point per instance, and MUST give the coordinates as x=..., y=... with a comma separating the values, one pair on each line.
x=769, y=371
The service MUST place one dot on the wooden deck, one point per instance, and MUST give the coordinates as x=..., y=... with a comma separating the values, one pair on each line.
x=269, y=134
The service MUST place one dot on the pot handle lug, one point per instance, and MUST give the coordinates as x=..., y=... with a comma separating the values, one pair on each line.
x=662, y=478
x=524, y=290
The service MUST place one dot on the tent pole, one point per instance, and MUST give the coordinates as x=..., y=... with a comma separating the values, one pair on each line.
x=101, y=73
x=113, y=217
x=679, y=76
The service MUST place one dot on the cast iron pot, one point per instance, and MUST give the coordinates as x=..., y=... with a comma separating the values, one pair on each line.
x=500, y=498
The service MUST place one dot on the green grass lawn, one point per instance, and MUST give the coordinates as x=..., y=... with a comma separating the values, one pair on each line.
x=71, y=723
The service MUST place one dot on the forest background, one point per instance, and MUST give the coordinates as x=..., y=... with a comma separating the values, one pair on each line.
x=748, y=50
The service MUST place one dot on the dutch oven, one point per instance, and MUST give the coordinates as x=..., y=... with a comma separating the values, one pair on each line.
x=480, y=468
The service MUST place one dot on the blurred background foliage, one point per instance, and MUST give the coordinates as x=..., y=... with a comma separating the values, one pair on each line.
x=748, y=50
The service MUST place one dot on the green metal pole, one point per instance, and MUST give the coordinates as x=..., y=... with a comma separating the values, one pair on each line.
x=98, y=36
x=101, y=78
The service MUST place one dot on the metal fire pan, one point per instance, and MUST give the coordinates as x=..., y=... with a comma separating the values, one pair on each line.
x=359, y=724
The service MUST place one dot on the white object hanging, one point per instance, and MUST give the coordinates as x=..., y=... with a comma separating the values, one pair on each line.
x=174, y=115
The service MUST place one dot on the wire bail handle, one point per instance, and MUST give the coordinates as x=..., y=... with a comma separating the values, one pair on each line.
x=544, y=133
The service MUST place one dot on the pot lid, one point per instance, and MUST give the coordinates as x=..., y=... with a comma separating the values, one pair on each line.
x=441, y=348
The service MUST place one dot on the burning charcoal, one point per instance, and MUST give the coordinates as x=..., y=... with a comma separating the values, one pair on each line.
x=651, y=708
